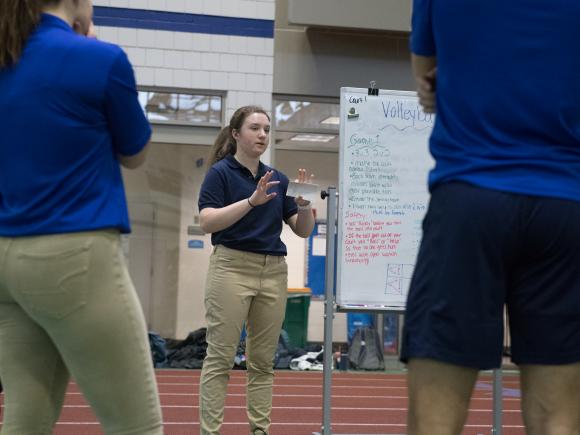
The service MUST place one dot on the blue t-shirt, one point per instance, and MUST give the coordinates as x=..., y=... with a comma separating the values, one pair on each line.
x=508, y=93
x=228, y=182
x=68, y=108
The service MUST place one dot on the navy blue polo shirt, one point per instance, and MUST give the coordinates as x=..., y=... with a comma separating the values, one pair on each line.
x=68, y=108
x=227, y=182
x=508, y=93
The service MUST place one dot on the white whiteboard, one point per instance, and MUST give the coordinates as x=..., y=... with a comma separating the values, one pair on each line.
x=384, y=164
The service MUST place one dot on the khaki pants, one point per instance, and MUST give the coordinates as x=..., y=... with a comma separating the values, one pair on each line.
x=67, y=305
x=242, y=286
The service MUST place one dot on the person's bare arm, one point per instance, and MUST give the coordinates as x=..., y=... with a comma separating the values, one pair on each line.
x=134, y=161
x=213, y=220
x=425, y=72
x=302, y=223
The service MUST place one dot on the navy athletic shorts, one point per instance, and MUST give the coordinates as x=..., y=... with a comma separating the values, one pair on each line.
x=482, y=249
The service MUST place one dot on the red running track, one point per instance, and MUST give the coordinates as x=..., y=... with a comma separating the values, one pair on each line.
x=362, y=403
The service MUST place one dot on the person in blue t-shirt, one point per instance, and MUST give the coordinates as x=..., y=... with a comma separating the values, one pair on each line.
x=503, y=222
x=69, y=116
x=243, y=203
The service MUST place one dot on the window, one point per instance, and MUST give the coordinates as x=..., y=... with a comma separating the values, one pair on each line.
x=306, y=125
x=179, y=108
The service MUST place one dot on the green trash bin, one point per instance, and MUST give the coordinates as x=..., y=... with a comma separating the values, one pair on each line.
x=296, y=320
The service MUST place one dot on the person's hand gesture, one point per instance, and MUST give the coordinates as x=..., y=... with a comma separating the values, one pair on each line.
x=303, y=178
x=87, y=30
x=261, y=195
x=92, y=33
x=426, y=91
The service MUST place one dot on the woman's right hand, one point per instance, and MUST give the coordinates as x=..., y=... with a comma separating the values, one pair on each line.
x=85, y=29
x=261, y=195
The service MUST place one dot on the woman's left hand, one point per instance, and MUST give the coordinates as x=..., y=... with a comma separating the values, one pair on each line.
x=426, y=90
x=303, y=178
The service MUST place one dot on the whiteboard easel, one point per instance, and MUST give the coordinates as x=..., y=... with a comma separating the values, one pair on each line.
x=383, y=155
x=384, y=163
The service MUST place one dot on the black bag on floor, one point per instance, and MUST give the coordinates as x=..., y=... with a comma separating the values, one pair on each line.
x=365, y=351
x=285, y=352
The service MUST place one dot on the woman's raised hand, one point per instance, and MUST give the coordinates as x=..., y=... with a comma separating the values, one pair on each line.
x=303, y=178
x=261, y=195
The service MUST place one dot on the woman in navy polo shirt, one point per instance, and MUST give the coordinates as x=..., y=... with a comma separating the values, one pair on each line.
x=243, y=203
x=69, y=115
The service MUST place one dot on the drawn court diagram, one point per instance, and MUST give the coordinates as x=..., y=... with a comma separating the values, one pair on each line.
x=398, y=279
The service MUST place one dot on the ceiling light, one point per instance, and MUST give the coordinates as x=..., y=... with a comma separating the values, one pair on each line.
x=333, y=120
x=312, y=137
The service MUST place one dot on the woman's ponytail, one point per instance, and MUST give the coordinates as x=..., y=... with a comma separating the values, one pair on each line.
x=224, y=145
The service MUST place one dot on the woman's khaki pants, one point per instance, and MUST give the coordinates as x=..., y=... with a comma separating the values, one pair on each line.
x=67, y=305
x=242, y=286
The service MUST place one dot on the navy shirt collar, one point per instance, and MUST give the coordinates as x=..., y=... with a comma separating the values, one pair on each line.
x=48, y=20
x=234, y=164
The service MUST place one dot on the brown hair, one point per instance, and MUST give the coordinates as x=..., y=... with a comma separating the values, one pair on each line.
x=225, y=144
x=18, y=18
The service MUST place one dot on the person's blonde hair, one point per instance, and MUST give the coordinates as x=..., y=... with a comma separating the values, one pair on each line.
x=225, y=144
